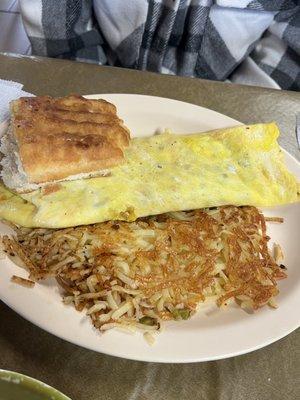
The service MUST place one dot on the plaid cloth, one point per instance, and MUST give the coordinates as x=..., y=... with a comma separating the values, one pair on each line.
x=12, y=37
x=245, y=41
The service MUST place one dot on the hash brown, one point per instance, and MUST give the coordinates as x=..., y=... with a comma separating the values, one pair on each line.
x=134, y=275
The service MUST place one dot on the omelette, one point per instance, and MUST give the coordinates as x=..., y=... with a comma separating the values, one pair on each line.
x=242, y=165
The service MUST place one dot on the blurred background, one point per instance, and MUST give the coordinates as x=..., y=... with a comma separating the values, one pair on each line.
x=255, y=42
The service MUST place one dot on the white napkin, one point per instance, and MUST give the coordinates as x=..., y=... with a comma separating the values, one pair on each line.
x=9, y=91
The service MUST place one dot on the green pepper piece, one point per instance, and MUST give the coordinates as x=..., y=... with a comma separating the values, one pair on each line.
x=148, y=321
x=179, y=314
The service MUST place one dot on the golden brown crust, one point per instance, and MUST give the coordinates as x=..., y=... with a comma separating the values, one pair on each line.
x=51, y=188
x=67, y=136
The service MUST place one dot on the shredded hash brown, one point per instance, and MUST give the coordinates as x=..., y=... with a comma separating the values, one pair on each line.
x=133, y=275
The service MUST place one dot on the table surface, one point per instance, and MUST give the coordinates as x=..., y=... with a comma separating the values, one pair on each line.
x=269, y=373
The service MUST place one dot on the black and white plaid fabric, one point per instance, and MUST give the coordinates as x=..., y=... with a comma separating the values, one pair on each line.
x=245, y=41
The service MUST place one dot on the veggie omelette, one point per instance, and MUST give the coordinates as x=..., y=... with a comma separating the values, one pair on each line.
x=242, y=165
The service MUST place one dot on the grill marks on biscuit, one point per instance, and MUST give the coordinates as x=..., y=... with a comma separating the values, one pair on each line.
x=67, y=136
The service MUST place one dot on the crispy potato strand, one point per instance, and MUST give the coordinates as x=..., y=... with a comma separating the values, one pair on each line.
x=156, y=268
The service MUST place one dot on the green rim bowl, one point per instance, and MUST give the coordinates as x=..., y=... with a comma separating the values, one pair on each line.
x=15, y=386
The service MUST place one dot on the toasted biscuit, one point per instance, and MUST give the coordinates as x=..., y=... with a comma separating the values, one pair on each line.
x=67, y=136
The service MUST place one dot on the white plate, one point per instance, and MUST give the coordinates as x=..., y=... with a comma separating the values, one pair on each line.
x=211, y=334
